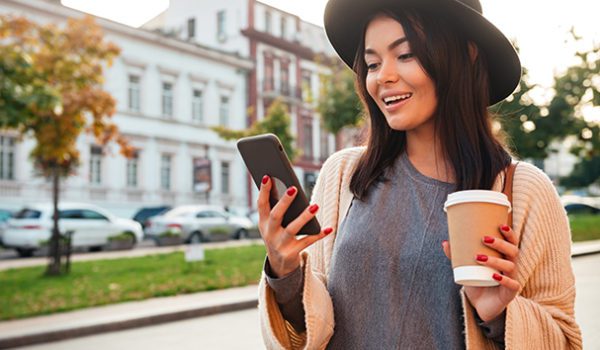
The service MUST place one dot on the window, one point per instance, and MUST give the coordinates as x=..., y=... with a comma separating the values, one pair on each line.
x=7, y=158
x=167, y=99
x=308, y=139
x=197, y=106
x=324, y=144
x=306, y=85
x=268, y=22
x=285, y=80
x=133, y=93
x=96, y=165
x=165, y=172
x=224, y=111
x=283, y=27
x=132, y=170
x=221, y=35
x=225, y=177
x=191, y=28
x=268, y=82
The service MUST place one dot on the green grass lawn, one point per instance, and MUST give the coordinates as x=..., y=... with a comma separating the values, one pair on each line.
x=27, y=292
x=585, y=227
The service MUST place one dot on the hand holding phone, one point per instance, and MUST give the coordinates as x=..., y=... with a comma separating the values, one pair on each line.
x=283, y=209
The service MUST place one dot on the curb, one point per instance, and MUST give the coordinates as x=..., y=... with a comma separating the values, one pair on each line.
x=45, y=337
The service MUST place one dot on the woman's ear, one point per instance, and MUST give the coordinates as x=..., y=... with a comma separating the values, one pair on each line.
x=473, y=51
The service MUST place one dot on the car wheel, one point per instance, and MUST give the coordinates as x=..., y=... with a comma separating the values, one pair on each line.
x=196, y=238
x=25, y=253
x=97, y=248
x=241, y=234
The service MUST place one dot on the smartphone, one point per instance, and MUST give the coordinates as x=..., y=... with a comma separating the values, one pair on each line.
x=264, y=155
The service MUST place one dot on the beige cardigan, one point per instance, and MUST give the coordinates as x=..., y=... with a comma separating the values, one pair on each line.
x=540, y=317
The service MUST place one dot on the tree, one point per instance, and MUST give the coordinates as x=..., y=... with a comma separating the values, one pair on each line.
x=52, y=90
x=276, y=121
x=338, y=103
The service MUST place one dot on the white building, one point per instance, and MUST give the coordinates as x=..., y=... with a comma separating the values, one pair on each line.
x=169, y=93
x=290, y=56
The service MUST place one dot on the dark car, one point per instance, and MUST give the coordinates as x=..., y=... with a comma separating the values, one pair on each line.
x=146, y=213
x=580, y=208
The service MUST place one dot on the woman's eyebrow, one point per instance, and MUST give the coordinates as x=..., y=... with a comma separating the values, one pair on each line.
x=391, y=46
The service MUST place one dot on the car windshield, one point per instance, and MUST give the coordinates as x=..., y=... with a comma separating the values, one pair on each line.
x=28, y=214
x=181, y=211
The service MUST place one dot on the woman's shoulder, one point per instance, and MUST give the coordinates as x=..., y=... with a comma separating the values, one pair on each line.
x=532, y=185
x=343, y=158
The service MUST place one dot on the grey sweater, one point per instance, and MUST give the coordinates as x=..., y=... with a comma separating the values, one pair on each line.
x=390, y=282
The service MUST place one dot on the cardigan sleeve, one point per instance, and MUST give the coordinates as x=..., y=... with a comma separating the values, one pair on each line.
x=318, y=307
x=543, y=312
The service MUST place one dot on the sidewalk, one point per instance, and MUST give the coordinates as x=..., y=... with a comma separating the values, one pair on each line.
x=127, y=315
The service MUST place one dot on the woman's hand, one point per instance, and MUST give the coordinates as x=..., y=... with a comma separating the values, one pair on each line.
x=490, y=302
x=283, y=248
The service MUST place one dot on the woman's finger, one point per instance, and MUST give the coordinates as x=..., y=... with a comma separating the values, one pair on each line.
x=506, y=248
x=263, y=205
x=296, y=225
x=509, y=234
x=276, y=215
x=499, y=264
x=446, y=248
x=307, y=241
x=507, y=282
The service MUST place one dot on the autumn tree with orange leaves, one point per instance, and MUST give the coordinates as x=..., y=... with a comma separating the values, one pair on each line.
x=51, y=89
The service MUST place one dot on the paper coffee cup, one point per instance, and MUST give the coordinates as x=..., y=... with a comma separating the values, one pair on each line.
x=472, y=215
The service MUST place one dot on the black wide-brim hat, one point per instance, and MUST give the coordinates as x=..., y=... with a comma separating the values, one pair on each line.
x=345, y=22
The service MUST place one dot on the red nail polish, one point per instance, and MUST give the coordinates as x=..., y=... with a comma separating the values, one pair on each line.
x=481, y=257
x=313, y=208
x=488, y=239
x=444, y=241
x=505, y=228
x=265, y=179
x=497, y=277
x=328, y=230
x=291, y=191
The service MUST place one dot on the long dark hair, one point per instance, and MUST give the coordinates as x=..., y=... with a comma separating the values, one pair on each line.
x=463, y=124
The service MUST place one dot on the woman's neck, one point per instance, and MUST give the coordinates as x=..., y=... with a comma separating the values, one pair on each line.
x=425, y=153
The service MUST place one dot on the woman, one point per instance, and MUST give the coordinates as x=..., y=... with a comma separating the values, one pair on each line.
x=426, y=72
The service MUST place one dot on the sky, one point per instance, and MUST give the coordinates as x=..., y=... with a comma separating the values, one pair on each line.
x=539, y=26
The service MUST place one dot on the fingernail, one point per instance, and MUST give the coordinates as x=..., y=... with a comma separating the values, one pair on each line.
x=481, y=257
x=291, y=191
x=497, y=277
x=444, y=241
x=265, y=179
x=505, y=228
x=488, y=239
x=328, y=230
x=313, y=208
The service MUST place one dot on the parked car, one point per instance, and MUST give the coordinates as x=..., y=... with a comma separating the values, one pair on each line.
x=30, y=228
x=199, y=223
x=146, y=213
x=580, y=208
x=5, y=214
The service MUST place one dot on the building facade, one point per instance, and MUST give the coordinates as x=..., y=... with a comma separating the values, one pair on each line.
x=169, y=93
x=290, y=57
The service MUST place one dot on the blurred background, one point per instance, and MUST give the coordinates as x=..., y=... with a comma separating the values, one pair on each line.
x=125, y=113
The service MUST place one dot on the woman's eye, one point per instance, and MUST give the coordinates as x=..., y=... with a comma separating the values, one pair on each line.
x=371, y=66
x=406, y=56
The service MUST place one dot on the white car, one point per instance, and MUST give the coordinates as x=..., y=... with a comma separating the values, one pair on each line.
x=199, y=223
x=30, y=228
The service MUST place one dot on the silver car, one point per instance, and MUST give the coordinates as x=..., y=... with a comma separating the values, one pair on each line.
x=199, y=223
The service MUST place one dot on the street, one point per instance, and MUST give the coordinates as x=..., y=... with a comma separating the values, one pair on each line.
x=240, y=330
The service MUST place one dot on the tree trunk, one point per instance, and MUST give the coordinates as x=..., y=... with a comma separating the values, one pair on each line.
x=55, y=246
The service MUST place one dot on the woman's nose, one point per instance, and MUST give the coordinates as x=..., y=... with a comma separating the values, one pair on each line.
x=388, y=73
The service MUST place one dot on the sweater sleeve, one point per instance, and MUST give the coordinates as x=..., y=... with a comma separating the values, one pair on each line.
x=288, y=294
x=542, y=315
x=318, y=307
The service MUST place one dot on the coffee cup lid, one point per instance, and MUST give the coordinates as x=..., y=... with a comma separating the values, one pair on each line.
x=470, y=196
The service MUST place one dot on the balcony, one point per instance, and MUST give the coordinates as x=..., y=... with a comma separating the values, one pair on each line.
x=274, y=90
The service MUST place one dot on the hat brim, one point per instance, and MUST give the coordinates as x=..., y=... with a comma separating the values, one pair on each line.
x=344, y=23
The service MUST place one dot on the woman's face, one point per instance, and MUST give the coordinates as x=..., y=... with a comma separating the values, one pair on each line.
x=395, y=79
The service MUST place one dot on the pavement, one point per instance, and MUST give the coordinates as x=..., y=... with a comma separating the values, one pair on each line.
x=110, y=318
